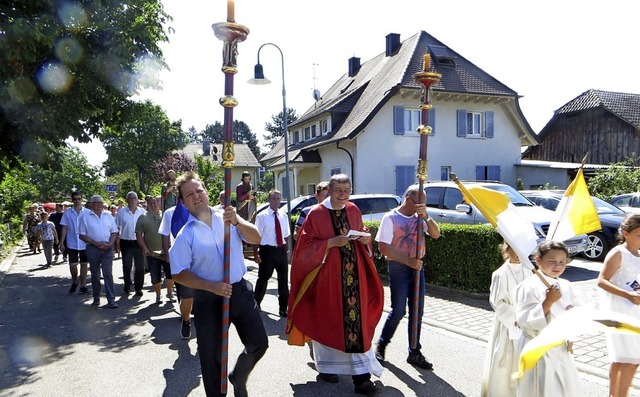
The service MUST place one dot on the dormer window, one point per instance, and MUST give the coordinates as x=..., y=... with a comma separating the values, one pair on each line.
x=442, y=55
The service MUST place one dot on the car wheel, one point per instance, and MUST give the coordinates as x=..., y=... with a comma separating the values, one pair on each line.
x=597, y=247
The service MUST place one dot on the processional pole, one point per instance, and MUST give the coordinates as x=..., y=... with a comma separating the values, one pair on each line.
x=231, y=34
x=427, y=79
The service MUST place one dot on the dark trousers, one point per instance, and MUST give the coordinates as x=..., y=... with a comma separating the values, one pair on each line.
x=401, y=284
x=244, y=315
x=132, y=256
x=273, y=258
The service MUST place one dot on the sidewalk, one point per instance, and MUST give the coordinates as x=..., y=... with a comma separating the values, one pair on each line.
x=111, y=331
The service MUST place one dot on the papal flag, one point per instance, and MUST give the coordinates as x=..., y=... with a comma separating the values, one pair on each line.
x=571, y=326
x=517, y=231
x=576, y=213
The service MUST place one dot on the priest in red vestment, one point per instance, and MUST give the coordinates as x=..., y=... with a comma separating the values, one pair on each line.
x=336, y=295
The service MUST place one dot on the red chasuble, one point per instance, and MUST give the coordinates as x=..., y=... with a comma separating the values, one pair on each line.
x=339, y=302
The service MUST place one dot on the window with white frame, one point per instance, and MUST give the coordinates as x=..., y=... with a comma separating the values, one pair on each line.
x=324, y=126
x=307, y=133
x=474, y=124
x=411, y=121
x=296, y=136
x=313, y=131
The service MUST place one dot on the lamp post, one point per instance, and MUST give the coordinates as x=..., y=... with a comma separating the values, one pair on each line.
x=259, y=79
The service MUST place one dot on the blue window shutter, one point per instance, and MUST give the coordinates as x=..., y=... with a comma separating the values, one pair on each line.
x=462, y=123
x=398, y=120
x=480, y=176
x=488, y=124
x=493, y=172
x=432, y=120
x=405, y=176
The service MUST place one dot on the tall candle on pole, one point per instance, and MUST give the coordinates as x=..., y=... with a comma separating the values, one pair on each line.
x=231, y=34
x=427, y=79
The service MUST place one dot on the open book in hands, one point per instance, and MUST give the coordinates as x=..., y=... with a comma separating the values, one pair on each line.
x=354, y=234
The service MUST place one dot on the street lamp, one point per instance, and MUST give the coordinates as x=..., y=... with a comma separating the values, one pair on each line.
x=259, y=79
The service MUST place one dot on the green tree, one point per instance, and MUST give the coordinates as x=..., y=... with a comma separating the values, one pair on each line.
x=211, y=175
x=276, y=128
x=145, y=135
x=622, y=177
x=68, y=68
x=74, y=173
x=193, y=135
x=16, y=193
x=241, y=133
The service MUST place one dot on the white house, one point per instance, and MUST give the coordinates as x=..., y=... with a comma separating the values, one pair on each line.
x=365, y=124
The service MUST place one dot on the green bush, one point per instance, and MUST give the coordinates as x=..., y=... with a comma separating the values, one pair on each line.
x=463, y=258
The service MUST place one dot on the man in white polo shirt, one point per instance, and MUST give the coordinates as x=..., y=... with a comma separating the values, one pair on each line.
x=74, y=247
x=98, y=230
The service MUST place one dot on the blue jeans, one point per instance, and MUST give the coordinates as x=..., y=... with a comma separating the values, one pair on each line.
x=401, y=284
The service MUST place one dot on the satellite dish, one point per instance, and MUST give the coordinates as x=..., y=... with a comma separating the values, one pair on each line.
x=316, y=94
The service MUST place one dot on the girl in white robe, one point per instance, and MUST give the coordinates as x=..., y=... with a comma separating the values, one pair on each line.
x=537, y=305
x=501, y=361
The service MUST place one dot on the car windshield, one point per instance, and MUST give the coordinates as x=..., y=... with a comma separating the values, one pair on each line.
x=516, y=198
x=298, y=200
x=605, y=208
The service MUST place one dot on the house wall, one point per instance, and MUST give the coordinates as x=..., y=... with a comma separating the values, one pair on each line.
x=378, y=151
x=533, y=177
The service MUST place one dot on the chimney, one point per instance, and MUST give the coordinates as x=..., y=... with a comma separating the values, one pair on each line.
x=206, y=148
x=354, y=66
x=393, y=44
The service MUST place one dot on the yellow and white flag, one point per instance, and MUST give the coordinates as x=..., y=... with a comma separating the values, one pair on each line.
x=517, y=231
x=576, y=213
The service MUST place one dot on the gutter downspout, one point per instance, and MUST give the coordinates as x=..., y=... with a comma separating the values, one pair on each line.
x=353, y=178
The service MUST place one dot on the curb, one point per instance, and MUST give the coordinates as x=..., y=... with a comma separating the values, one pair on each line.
x=8, y=261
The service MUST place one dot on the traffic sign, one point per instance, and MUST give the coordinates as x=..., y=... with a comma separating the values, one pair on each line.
x=112, y=188
x=112, y=197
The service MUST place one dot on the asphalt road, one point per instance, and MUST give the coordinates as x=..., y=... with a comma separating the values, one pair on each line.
x=56, y=344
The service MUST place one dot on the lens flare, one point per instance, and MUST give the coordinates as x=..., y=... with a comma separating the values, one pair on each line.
x=54, y=78
x=68, y=50
x=73, y=16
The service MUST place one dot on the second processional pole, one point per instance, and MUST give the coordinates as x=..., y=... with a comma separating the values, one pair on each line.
x=427, y=79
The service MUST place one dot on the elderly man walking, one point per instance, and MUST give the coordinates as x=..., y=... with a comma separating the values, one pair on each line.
x=99, y=231
x=126, y=220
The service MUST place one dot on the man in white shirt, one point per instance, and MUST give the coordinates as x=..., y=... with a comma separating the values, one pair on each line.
x=71, y=244
x=126, y=220
x=98, y=230
x=197, y=261
x=271, y=254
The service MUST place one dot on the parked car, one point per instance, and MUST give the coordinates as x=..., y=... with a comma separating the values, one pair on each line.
x=372, y=206
x=297, y=204
x=629, y=202
x=599, y=242
x=445, y=204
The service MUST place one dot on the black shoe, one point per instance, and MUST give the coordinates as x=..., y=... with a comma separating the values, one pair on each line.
x=138, y=293
x=330, y=378
x=84, y=291
x=73, y=288
x=127, y=290
x=380, y=350
x=367, y=388
x=283, y=313
x=239, y=390
x=418, y=360
x=185, y=330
